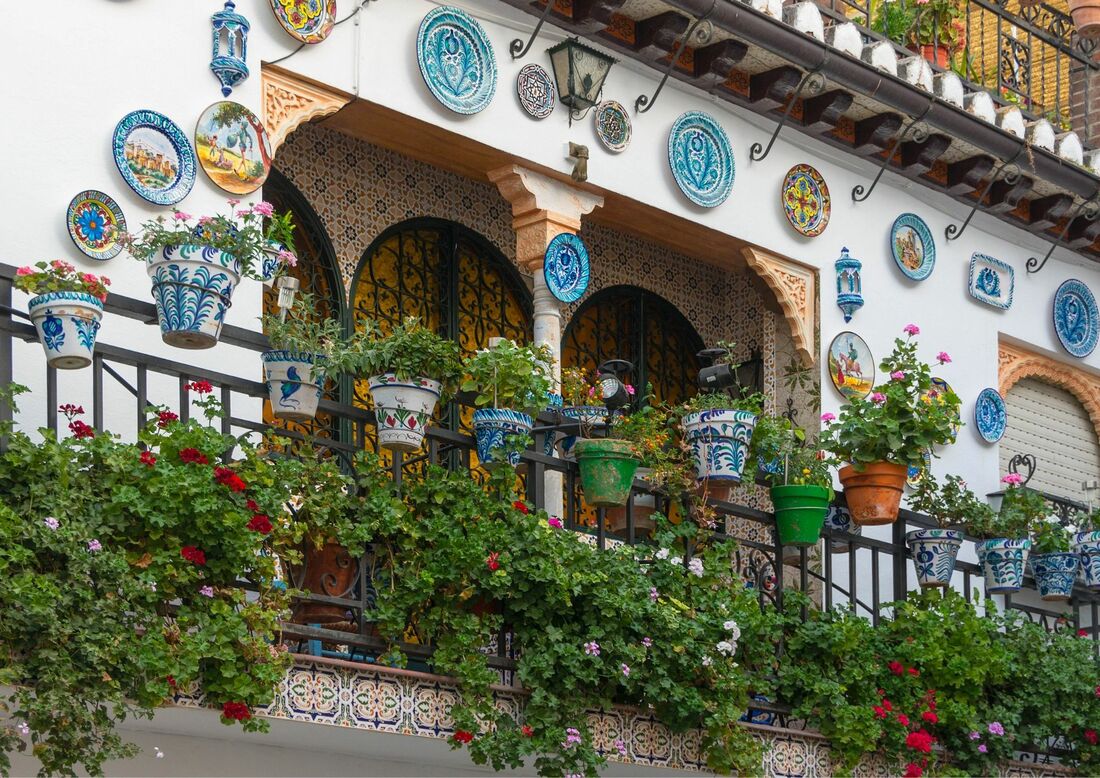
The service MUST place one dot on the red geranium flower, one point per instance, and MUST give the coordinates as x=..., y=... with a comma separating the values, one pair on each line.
x=201, y=387
x=81, y=430
x=896, y=668
x=880, y=712
x=70, y=410
x=526, y=730
x=930, y=717
x=920, y=741
x=889, y=706
x=194, y=555
x=147, y=458
x=171, y=681
x=913, y=671
x=1090, y=736
x=164, y=418
x=903, y=720
x=521, y=506
x=491, y=561
x=260, y=523
x=252, y=506
x=236, y=710
x=226, y=477
x=912, y=771
x=462, y=736
x=1082, y=633
x=192, y=456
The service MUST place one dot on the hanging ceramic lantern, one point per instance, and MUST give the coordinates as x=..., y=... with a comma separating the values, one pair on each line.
x=230, y=47
x=849, y=287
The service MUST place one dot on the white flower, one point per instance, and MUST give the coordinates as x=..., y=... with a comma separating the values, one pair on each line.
x=159, y=753
x=662, y=554
x=707, y=661
x=725, y=648
x=695, y=567
x=729, y=625
x=677, y=560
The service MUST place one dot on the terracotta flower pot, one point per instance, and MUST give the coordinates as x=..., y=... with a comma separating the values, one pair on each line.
x=937, y=55
x=1086, y=17
x=873, y=494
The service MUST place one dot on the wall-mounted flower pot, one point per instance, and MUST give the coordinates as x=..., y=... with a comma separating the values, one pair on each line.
x=937, y=55
x=294, y=383
x=719, y=441
x=330, y=571
x=607, y=470
x=1054, y=575
x=934, y=552
x=588, y=415
x=838, y=519
x=553, y=405
x=1003, y=559
x=67, y=324
x=193, y=289
x=1087, y=546
x=1086, y=17
x=403, y=410
x=873, y=494
x=493, y=428
x=799, y=513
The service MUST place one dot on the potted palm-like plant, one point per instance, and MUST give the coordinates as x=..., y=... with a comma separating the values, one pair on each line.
x=953, y=507
x=879, y=437
x=410, y=370
x=1052, y=562
x=1005, y=542
x=801, y=486
x=510, y=383
x=1087, y=545
x=65, y=308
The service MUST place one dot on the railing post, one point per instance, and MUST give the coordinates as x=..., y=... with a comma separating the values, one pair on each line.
x=5, y=355
x=900, y=560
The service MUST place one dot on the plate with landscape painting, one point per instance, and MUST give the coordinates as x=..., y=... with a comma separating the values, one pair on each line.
x=154, y=157
x=912, y=245
x=851, y=365
x=310, y=21
x=95, y=222
x=233, y=147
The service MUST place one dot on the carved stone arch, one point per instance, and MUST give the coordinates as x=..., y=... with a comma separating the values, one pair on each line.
x=795, y=287
x=1016, y=363
x=290, y=100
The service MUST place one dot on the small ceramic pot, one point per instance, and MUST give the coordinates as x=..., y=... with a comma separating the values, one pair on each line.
x=607, y=470
x=492, y=429
x=553, y=405
x=1054, y=575
x=294, y=380
x=67, y=324
x=837, y=519
x=873, y=494
x=934, y=552
x=719, y=441
x=799, y=513
x=1003, y=559
x=588, y=415
x=403, y=410
x=1087, y=546
x=1086, y=17
x=193, y=289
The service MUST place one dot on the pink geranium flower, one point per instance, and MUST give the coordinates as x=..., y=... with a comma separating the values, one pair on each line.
x=263, y=208
x=943, y=358
x=911, y=329
x=898, y=375
x=1013, y=479
x=878, y=398
x=828, y=417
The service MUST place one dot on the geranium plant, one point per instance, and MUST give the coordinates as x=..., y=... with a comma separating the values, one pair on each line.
x=410, y=351
x=1048, y=536
x=509, y=376
x=246, y=233
x=1021, y=509
x=303, y=331
x=951, y=504
x=59, y=276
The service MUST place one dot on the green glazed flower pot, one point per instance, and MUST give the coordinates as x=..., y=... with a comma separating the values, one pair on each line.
x=607, y=471
x=800, y=513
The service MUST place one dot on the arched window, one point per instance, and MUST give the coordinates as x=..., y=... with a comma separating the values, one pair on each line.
x=627, y=322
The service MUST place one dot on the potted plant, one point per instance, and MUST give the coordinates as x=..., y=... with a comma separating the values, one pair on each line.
x=879, y=437
x=935, y=29
x=1005, y=542
x=1087, y=545
x=801, y=487
x=410, y=370
x=305, y=350
x=65, y=308
x=1052, y=562
x=953, y=506
x=582, y=403
x=510, y=384
x=195, y=264
x=1086, y=17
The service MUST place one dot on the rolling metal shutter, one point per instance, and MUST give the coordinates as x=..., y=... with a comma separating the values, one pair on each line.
x=1051, y=424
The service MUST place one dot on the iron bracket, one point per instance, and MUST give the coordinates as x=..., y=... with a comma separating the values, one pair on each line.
x=1027, y=460
x=517, y=49
x=920, y=134
x=812, y=83
x=953, y=231
x=1091, y=210
x=643, y=103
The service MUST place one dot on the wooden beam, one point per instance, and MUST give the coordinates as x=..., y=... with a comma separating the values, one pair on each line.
x=657, y=36
x=593, y=16
x=715, y=63
x=1004, y=197
x=1045, y=212
x=1082, y=232
x=772, y=88
x=821, y=113
x=917, y=158
x=873, y=134
x=966, y=175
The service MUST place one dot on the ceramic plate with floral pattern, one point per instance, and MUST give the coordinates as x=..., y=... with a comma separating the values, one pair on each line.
x=95, y=221
x=310, y=21
x=456, y=60
x=613, y=126
x=806, y=201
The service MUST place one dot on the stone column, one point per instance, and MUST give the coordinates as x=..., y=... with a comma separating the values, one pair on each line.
x=542, y=209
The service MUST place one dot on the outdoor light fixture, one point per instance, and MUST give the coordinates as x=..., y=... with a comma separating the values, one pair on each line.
x=288, y=287
x=612, y=389
x=580, y=71
x=724, y=377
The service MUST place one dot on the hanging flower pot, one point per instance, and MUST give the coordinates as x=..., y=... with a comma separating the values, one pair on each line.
x=1003, y=559
x=800, y=513
x=496, y=427
x=295, y=380
x=588, y=416
x=1086, y=17
x=1055, y=574
x=553, y=405
x=403, y=410
x=838, y=519
x=1087, y=546
x=873, y=494
x=329, y=571
x=934, y=552
x=719, y=441
x=193, y=289
x=67, y=324
x=936, y=54
x=607, y=471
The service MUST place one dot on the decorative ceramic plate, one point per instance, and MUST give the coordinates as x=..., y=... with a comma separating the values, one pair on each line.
x=233, y=148
x=613, y=126
x=701, y=159
x=310, y=21
x=154, y=157
x=565, y=267
x=536, y=91
x=456, y=60
x=95, y=222
x=991, y=281
x=990, y=415
x=941, y=387
x=912, y=245
x=1075, y=318
x=851, y=366
x=915, y=475
x=806, y=200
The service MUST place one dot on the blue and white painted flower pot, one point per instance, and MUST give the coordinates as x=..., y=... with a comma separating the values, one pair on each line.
x=493, y=427
x=1055, y=574
x=1087, y=546
x=934, y=552
x=295, y=380
x=553, y=405
x=1003, y=559
x=719, y=441
x=67, y=324
x=403, y=410
x=839, y=520
x=588, y=415
x=193, y=288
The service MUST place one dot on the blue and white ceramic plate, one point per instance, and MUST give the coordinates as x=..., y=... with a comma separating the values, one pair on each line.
x=912, y=245
x=1075, y=318
x=613, y=126
x=991, y=281
x=456, y=60
x=990, y=416
x=154, y=157
x=95, y=223
x=701, y=159
x=565, y=267
x=915, y=475
x=535, y=89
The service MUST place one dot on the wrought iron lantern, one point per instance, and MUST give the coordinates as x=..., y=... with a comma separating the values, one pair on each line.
x=230, y=47
x=580, y=71
x=849, y=285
